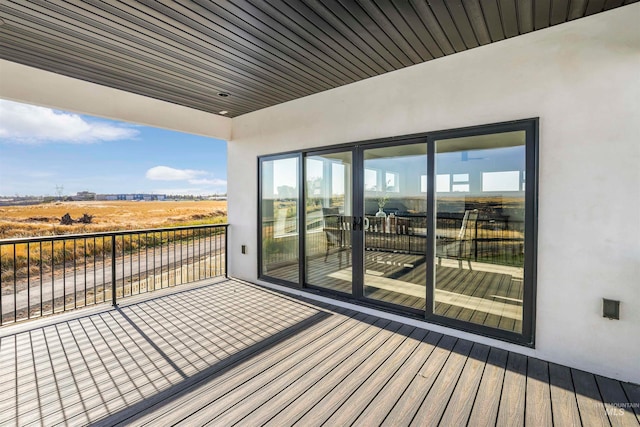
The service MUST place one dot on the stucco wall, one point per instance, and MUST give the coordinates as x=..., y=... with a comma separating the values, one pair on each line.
x=583, y=80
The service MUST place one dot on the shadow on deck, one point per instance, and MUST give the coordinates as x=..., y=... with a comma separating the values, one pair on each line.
x=234, y=353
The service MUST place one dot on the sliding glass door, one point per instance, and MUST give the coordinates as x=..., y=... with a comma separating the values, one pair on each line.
x=480, y=229
x=280, y=218
x=372, y=245
x=329, y=219
x=395, y=224
x=441, y=226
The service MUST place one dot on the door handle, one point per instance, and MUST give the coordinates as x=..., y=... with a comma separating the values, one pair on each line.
x=363, y=223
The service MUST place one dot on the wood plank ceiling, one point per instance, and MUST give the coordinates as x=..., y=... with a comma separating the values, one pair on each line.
x=258, y=52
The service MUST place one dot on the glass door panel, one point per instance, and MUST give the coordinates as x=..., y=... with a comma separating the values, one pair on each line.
x=329, y=210
x=395, y=218
x=279, y=219
x=480, y=205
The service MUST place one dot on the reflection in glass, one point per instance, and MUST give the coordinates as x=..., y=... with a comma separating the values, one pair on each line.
x=395, y=205
x=443, y=183
x=480, y=229
x=280, y=219
x=329, y=219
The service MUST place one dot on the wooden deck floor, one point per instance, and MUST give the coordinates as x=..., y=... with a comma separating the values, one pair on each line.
x=233, y=353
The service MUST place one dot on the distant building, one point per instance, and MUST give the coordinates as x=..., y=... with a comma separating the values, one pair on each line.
x=84, y=195
x=106, y=197
x=131, y=197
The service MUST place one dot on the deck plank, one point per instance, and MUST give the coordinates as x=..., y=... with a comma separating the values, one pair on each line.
x=151, y=390
x=434, y=405
x=459, y=405
x=327, y=383
x=355, y=405
x=409, y=403
x=279, y=404
x=9, y=383
x=592, y=410
x=617, y=405
x=236, y=403
x=190, y=401
x=487, y=400
x=538, y=394
x=323, y=408
x=512, y=402
x=381, y=404
x=235, y=353
x=564, y=405
x=632, y=392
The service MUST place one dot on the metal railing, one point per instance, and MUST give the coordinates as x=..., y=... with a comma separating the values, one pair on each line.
x=47, y=275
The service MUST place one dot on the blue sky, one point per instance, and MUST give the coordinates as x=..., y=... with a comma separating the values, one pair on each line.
x=41, y=148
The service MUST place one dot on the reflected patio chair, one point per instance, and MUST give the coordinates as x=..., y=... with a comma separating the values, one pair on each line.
x=337, y=230
x=459, y=248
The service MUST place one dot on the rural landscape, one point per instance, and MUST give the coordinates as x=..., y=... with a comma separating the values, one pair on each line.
x=45, y=219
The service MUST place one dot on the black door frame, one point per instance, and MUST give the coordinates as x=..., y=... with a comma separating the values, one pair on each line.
x=356, y=257
x=361, y=149
x=358, y=214
x=530, y=126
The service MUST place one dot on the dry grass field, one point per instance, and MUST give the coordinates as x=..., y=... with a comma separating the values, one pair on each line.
x=44, y=219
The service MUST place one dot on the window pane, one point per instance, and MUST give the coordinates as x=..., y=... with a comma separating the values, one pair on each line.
x=329, y=218
x=395, y=226
x=280, y=218
x=370, y=180
x=480, y=229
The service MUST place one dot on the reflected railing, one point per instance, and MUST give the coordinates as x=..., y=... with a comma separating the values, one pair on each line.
x=279, y=246
x=491, y=240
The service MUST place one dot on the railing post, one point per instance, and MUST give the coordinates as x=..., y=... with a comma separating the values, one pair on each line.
x=113, y=271
x=475, y=242
x=226, y=252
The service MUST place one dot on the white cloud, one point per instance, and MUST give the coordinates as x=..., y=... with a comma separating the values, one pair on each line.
x=200, y=182
x=165, y=173
x=23, y=123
